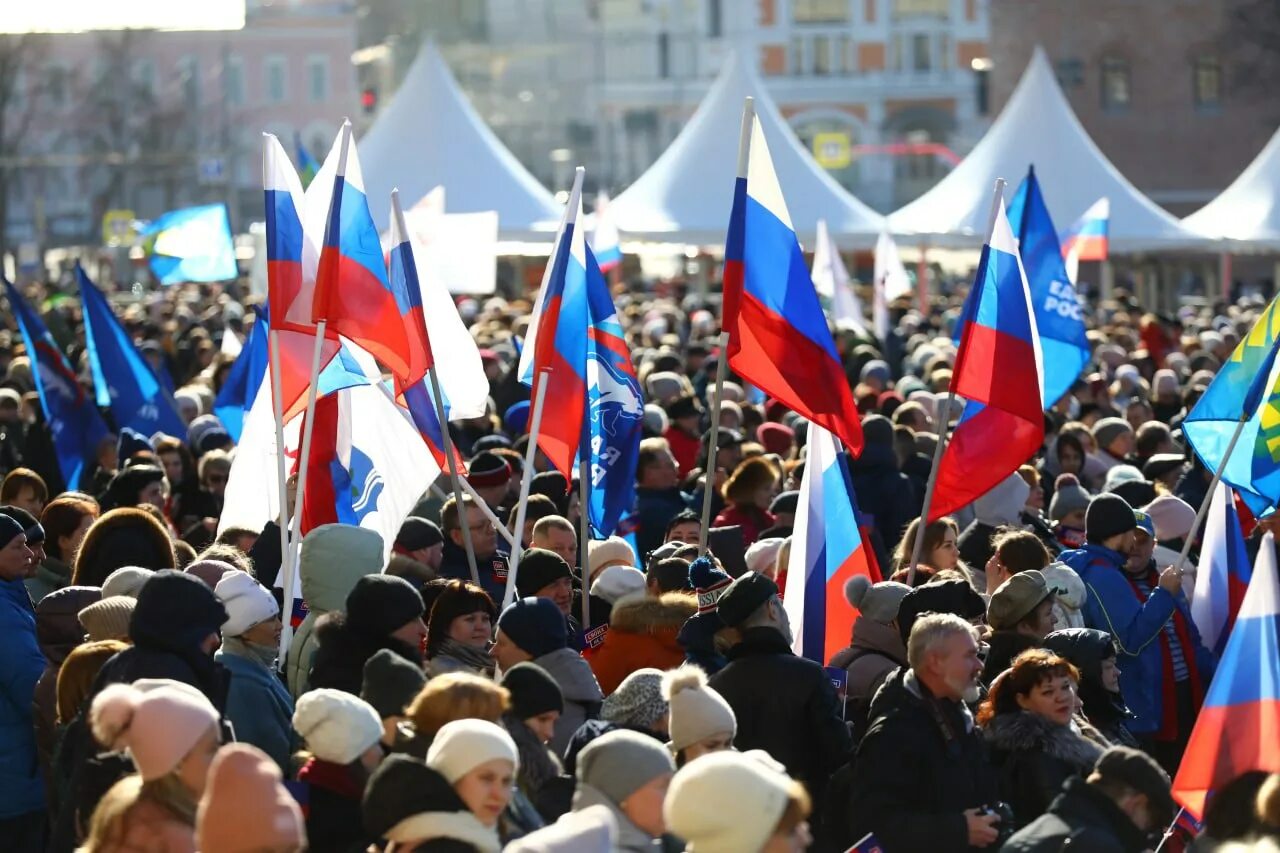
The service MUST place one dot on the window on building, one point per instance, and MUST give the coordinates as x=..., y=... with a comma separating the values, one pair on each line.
x=715, y=19
x=944, y=51
x=921, y=8
x=233, y=81
x=921, y=53
x=189, y=80
x=1116, y=92
x=277, y=79
x=1207, y=83
x=144, y=77
x=318, y=79
x=797, y=56
x=664, y=55
x=1070, y=73
x=822, y=64
x=897, y=58
x=820, y=11
x=848, y=55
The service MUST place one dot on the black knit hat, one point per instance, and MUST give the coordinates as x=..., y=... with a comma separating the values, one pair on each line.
x=10, y=529
x=418, y=533
x=126, y=485
x=379, y=604
x=390, y=683
x=30, y=524
x=1108, y=515
x=744, y=597
x=538, y=568
x=532, y=690
x=175, y=609
x=402, y=787
x=486, y=469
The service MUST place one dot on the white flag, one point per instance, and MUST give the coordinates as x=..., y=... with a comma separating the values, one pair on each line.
x=831, y=279
x=891, y=281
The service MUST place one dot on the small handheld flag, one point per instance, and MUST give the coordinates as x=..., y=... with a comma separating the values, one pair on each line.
x=891, y=282
x=831, y=280
x=241, y=385
x=1086, y=239
x=1222, y=576
x=778, y=335
x=604, y=241
x=69, y=412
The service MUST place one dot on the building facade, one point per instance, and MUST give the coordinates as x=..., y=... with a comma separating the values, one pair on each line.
x=1172, y=91
x=887, y=93
x=151, y=121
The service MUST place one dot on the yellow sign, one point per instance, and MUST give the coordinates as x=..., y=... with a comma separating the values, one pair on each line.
x=832, y=149
x=117, y=228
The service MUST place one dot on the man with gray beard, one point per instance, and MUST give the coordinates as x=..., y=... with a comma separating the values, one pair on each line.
x=921, y=779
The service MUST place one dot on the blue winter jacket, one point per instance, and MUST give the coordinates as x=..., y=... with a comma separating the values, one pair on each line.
x=259, y=708
x=21, y=663
x=1112, y=606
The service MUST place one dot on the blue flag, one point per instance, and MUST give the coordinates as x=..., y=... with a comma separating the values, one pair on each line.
x=307, y=165
x=121, y=377
x=615, y=410
x=74, y=423
x=1058, y=314
x=246, y=374
x=192, y=244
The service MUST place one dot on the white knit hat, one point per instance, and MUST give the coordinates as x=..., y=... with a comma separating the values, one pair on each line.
x=247, y=603
x=617, y=581
x=463, y=745
x=337, y=726
x=613, y=551
x=763, y=554
x=725, y=802
x=126, y=580
x=697, y=711
x=593, y=829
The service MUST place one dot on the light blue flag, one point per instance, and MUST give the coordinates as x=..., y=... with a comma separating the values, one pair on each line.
x=122, y=379
x=192, y=244
x=69, y=412
x=1058, y=312
x=244, y=378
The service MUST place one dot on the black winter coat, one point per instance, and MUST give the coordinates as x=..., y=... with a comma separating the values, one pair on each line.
x=1081, y=818
x=341, y=653
x=920, y=765
x=786, y=706
x=883, y=491
x=1002, y=648
x=1033, y=757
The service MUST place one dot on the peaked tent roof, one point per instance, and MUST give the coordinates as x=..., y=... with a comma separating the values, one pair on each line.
x=429, y=135
x=688, y=193
x=1037, y=126
x=1249, y=209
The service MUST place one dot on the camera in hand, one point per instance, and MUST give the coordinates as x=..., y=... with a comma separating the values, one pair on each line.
x=1005, y=827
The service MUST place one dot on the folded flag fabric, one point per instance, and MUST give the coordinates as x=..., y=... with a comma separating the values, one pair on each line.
x=1222, y=577
x=831, y=280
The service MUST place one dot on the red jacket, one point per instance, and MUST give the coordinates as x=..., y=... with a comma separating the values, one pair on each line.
x=684, y=448
x=642, y=633
x=751, y=519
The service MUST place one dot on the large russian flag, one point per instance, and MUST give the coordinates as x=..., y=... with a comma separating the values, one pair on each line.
x=826, y=550
x=352, y=290
x=1222, y=577
x=778, y=336
x=999, y=372
x=1239, y=725
x=557, y=340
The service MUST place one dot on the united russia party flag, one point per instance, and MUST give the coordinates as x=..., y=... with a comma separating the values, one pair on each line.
x=778, y=336
x=826, y=551
x=557, y=340
x=999, y=372
x=1239, y=724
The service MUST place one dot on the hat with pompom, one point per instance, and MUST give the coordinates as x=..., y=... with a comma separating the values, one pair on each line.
x=158, y=722
x=697, y=711
x=876, y=601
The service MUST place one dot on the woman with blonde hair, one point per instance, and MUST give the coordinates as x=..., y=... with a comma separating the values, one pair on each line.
x=453, y=696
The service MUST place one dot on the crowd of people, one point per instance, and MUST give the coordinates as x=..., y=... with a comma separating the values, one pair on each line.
x=1030, y=685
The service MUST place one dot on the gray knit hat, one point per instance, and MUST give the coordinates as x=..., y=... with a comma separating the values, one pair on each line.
x=879, y=601
x=619, y=763
x=1068, y=497
x=638, y=701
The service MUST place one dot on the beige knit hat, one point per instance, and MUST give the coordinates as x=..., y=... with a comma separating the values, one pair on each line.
x=697, y=711
x=108, y=619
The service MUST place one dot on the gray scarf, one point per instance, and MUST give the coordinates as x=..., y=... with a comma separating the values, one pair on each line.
x=260, y=654
x=468, y=656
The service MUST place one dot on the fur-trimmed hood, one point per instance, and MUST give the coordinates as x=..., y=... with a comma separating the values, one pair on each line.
x=457, y=826
x=1024, y=731
x=646, y=615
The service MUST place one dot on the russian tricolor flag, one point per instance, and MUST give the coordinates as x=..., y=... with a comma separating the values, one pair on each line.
x=557, y=340
x=1086, y=240
x=826, y=550
x=1239, y=725
x=1222, y=577
x=999, y=372
x=352, y=290
x=778, y=336
x=604, y=241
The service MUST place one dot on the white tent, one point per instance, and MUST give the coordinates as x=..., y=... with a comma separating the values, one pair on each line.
x=1249, y=209
x=1037, y=126
x=429, y=135
x=686, y=196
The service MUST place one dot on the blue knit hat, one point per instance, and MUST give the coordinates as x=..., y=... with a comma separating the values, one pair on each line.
x=516, y=418
x=709, y=582
x=535, y=625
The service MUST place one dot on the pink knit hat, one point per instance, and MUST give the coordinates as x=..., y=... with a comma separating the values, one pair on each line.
x=158, y=720
x=245, y=808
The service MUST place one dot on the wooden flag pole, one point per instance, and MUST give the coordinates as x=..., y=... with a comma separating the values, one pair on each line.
x=530, y=456
x=944, y=417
